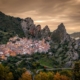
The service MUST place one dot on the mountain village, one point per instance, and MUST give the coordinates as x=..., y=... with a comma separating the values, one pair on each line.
x=22, y=46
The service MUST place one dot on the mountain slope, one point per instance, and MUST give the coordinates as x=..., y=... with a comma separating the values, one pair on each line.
x=9, y=27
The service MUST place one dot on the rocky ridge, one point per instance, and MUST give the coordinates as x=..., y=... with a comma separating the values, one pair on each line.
x=33, y=31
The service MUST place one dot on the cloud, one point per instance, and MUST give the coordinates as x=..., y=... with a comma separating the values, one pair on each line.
x=46, y=12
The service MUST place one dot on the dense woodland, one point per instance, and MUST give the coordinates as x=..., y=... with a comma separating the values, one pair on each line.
x=13, y=73
x=30, y=67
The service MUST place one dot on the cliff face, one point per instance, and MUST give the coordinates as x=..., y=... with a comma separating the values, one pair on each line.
x=28, y=27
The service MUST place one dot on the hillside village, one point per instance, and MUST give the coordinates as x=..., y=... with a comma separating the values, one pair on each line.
x=21, y=46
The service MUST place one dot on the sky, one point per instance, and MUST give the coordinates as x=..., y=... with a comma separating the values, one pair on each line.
x=46, y=12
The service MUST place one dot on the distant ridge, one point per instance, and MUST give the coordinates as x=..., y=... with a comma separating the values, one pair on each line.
x=75, y=35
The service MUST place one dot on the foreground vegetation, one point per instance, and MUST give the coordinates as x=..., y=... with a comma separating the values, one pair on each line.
x=34, y=61
x=9, y=73
x=35, y=67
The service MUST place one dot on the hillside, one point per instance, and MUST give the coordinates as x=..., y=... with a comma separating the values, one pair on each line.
x=9, y=27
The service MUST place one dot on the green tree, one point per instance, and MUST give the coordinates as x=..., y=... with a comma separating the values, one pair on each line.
x=5, y=73
x=26, y=76
x=1, y=72
x=50, y=75
x=9, y=76
x=76, y=71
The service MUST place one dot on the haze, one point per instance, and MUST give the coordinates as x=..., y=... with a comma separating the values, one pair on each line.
x=46, y=12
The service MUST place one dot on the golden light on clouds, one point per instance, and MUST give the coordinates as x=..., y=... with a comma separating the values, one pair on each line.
x=39, y=21
x=78, y=0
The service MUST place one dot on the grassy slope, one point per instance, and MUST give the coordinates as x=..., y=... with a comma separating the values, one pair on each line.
x=46, y=62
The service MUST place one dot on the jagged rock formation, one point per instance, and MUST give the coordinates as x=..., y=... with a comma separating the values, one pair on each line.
x=33, y=31
x=60, y=34
x=28, y=27
x=38, y=32
x=66, y=50
x=45, y=32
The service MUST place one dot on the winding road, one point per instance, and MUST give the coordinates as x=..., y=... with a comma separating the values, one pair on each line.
x=54, y=69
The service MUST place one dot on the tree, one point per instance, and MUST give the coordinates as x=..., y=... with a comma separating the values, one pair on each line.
x=9, y=76
x=41, y=76
x=26, y=76
x=50, y=75
x=57, y=76
x=76, y=71
x=66, y=73
x=44, y=76
x=5, y=73
x=1, y=72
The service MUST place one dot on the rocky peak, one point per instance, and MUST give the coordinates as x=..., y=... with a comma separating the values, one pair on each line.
x=28, y=27
x=38, y=27
x=45, y=32
x=38, y=32
x=62, y=31
x=60, y=34
x=61, y=27
x=32, y=31
x=29, y=21
x=46, y=28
